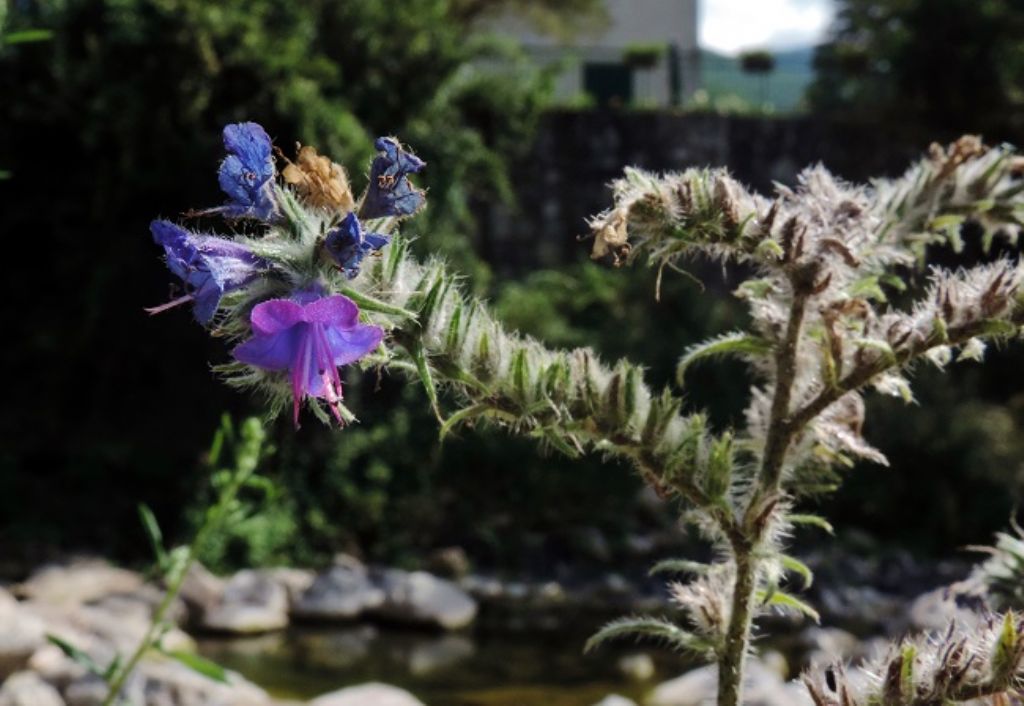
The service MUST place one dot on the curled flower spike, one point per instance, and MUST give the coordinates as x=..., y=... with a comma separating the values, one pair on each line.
x=246, y=174
x=348, y=244
x=208, y=266
x=310, y=336
x=390, y=193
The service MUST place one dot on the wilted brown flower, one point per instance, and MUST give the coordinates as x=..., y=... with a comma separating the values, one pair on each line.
x=321, y=182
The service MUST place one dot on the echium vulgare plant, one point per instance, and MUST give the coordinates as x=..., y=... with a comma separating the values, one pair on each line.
x=321, y=279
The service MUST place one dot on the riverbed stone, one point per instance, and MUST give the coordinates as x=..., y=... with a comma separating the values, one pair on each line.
x=77, y=581
x=372, y=694
x=201, y=591
x=762, y=687
x=21, y=634
x=294, y=581
x=252, y=602
x=28, y=689
x=343, y=592
x=424, y=599
x=638, y=667
x=615, y=700
x=933, y=611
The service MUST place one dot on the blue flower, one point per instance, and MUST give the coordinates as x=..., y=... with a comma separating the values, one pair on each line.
x=208, y=266
x=348, y=244
x=246, y=174
x=390, y=192
x=311, y=337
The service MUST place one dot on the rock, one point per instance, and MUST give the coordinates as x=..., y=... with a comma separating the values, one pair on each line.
x=252, y=602
x=372, y=694
x=762, y=687
x=142, y=602
x=78, y=581
x=429, y=656
x=343, y=592
x=638, y=667
x=294, y=581
x=28, y=689
x=86, y=690
x=449, y=562
x=615, y=700
x=424, y=599
x=825, y=645
x=484, y=588
x=933, y=611
x=201, y=591
x=21, y=634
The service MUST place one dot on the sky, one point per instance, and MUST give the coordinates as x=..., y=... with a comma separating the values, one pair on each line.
x=732, y=26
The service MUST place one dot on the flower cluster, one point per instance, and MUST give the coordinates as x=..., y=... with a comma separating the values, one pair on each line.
x=277, y=290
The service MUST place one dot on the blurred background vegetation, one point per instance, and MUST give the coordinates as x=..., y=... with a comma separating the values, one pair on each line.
x=115, y=119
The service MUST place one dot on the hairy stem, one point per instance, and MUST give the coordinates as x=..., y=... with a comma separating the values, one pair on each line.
x=737, y=638
x=213, y=520
x=780, y=432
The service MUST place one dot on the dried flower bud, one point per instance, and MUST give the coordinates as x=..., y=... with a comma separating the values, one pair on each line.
x=611, y=236
x=318, y=180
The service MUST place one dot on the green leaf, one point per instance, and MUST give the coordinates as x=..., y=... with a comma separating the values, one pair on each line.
x=869, y=288
x=813, y=520
x=678, y=566
x=736, y=343
x=781, y=599
x=76, y=655
x=4, y=174
x=208, y=669
x=1004, y=653
x=463, y=415
x=368, y=303
x=427, y=378
x=155, y=536
x=660, y=631
x=25, y=36
x=795, y=566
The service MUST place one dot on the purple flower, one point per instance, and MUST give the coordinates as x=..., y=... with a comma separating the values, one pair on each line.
x=246, y=174
x=310, y=338
x=348, y=244
x=208, y=266
x=390, y=192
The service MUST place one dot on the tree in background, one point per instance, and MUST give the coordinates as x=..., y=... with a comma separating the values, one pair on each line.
x=948, y=65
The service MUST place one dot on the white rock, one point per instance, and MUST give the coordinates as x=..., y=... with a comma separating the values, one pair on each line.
x=28, y=689
x=340, y=593
x=372, y=694
x=78, y=581
x=933, y=611
x=294, y=581
x=252, y=602
x=432, y=655
x=762, y=687
x=21, y=634
x=421, y=598
x=615, y=700
x=200, y=591
x=638, y=667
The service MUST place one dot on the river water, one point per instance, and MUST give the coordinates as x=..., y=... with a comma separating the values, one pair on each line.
x=481, y=669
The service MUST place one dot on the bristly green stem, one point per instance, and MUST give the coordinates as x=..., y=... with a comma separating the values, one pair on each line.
x=212, y=521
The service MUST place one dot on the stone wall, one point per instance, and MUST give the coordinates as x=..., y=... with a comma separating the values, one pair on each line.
x=577, y=153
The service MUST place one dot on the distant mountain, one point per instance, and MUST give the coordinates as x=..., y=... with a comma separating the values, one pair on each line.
x=783, y=88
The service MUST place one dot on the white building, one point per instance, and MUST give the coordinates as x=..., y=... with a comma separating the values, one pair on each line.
x=646, y=55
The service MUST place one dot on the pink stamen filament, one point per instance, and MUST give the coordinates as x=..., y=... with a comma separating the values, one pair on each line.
x=169, y=305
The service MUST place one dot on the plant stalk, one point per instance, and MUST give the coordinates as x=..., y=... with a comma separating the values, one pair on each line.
x=212, y=521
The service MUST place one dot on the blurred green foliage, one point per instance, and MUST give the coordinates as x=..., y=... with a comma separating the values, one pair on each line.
x=116, y=121
x=950, y=65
